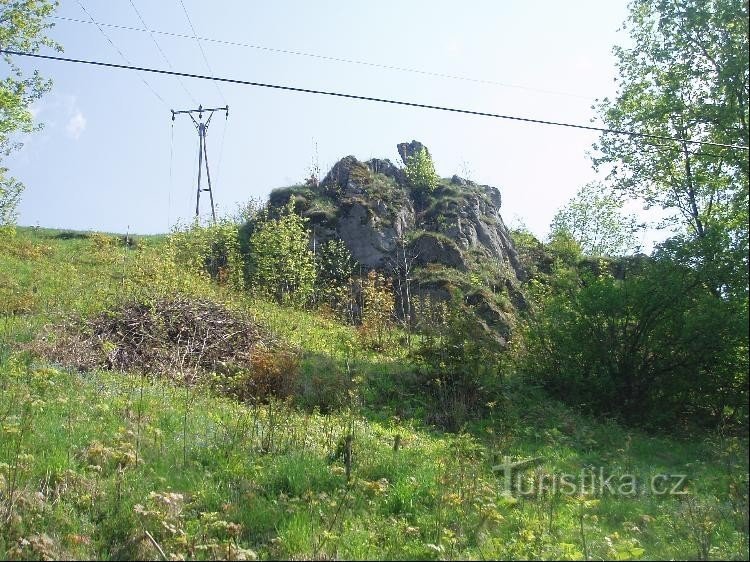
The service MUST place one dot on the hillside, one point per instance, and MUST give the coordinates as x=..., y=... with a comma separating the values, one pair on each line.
x=100, y=463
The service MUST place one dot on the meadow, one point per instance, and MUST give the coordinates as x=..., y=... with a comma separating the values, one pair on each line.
x=103, y=464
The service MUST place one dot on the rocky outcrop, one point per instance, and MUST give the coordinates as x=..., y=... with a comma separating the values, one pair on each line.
x=370, y=237
x=458, y=226
x=473, y=221
x=408, y=149
x=388, y=169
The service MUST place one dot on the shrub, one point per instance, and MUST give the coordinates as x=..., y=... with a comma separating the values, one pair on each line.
x=420, y=171
x=656, y=347
x=459, y=361
x=281, y=265
x=335, y=267
x=377, y=308
x=213, y=250
x=273, y=373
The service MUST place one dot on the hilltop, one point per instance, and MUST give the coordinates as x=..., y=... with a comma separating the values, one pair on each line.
x=451, y=237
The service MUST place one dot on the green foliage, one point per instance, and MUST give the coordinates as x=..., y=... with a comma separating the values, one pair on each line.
x=282, y=266
x=377, y=304
x=564, y=247
x=459, y=361
x=213, y=250
x=655, y=348
x=10, y=196
x=22, y=27
x=90, y=462
x=420, y=172
x=686, y=76
x=335, y=265
x=594, y=219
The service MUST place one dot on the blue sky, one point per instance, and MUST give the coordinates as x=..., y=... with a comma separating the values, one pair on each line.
x=102, y=161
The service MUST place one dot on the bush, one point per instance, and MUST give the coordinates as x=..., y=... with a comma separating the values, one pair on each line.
x=656, y=347
x=213, y=250
x=377, y=308
x=459, y=361
x=335, y=267
x=420, y=171
x=281, y=265
x=273, y=373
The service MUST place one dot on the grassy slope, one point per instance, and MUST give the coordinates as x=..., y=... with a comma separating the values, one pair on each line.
x=90, y=461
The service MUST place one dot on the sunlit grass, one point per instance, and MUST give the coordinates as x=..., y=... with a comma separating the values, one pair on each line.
x=90, y=462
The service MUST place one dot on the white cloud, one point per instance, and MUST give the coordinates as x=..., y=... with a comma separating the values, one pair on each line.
x=76, y=125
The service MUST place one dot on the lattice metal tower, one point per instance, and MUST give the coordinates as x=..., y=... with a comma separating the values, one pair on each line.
x=202, y=127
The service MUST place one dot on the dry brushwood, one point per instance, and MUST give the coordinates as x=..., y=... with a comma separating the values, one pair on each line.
x=171, y=337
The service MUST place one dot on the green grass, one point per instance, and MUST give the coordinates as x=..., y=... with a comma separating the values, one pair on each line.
x=91, y=461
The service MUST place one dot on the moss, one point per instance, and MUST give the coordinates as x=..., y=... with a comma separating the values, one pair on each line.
x=421, y=234
x=279, y=196
x=443, y=206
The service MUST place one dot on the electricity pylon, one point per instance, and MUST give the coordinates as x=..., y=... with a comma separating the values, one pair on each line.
x=202, y=127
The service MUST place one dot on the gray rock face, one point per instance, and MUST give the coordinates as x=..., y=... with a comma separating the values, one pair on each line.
x=388, y=169
x=376, y=209
x=478, y=225
x=408, y=149
x=371, y=239
x=429, y=248
x=347, y=174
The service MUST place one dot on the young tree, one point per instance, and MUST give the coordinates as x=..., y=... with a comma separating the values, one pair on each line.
x=420, y=171
x=595, y=220
x=335, y=263
x=22, y=27
x=281, y=263
x=377, y=307
x=402, y=266
x=335, y=267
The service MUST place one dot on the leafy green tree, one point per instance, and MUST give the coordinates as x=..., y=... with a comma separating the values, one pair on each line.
x=22, y=27
x=652, y=346
x=685, y=76
x=335, y=267
x=335, y=264
x=420, y=171
x=282, y=266
x=377, y=306
x=564, y=248
x=595, y=220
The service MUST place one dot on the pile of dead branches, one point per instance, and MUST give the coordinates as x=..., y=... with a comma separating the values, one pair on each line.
x=170, y=337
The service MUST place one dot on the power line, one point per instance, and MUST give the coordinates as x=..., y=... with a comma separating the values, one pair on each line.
x=163, y=54
x=378, y=100
x=337, y=59
x=116, y=48
x=200, y=46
